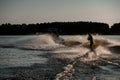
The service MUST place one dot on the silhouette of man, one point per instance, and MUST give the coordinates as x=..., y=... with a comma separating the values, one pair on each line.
x=90, y=39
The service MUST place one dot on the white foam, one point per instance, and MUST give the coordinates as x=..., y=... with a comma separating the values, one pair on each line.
x=46, y=41
x=66, y=74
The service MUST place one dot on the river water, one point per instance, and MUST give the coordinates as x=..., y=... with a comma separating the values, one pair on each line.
x=45, y=57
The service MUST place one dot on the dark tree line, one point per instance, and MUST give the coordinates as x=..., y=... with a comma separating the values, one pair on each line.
x=115, y=29
x=64, y=28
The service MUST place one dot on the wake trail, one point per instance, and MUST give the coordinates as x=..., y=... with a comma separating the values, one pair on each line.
x=69, y=69
x=109, y=62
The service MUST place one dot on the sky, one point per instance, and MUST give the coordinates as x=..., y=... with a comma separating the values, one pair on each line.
x=40, y=11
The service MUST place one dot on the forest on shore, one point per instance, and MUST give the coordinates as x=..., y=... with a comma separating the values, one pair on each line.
x=62, y=28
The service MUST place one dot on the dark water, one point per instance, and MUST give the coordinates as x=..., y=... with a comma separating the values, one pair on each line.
x=41, y=57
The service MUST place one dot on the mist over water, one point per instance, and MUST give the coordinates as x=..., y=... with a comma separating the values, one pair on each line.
x=64, y=58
